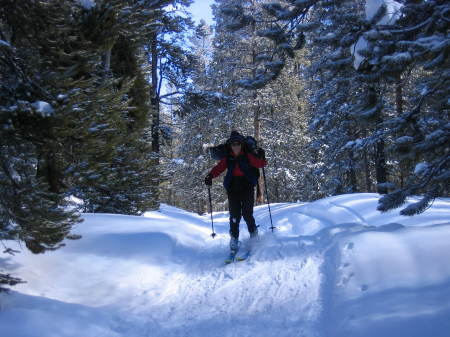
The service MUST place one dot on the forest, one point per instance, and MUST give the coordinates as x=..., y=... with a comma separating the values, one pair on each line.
x=111, y=106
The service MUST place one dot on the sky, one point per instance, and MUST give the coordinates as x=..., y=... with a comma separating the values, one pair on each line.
x=201, y=9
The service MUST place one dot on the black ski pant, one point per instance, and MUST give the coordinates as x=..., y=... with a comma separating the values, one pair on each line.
x=241, y=199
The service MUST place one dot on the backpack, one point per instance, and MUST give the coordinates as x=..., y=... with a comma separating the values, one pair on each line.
x=222, y=150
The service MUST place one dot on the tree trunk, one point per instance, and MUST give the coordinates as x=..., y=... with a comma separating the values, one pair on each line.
x=403, y=167
x=257, y=130
x=367, y=172
x=366, y=164
x=351, y=175
x=154, y=96
x=48, y=170
x=107, y=62
x=399, y=96
x=380, y=166
x=154, y=103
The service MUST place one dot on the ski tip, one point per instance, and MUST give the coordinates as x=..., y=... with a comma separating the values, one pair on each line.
x=243, y=257
x=230, y=259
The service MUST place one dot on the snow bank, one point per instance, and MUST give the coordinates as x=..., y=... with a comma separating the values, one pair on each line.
x=334, y=267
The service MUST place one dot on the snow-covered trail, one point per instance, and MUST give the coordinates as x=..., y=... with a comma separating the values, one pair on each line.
x=335, y=267
x=277, y=291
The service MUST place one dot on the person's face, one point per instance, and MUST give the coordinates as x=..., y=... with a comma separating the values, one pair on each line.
x=236, y=147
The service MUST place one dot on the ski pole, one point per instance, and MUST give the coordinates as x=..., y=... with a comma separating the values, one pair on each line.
x=210, y=210
x=267, y=198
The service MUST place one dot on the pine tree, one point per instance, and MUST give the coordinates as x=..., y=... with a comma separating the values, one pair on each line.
x=122, y=178
x=385, y=46
x=419, y=40
x=218, y=102
x=74, y=108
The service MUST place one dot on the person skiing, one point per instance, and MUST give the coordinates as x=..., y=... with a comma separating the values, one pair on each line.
x=239, y=182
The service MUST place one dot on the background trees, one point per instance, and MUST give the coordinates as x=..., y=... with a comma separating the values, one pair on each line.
x=75, y=111
x=379, y=111
x=115, y=103
x=220, y=100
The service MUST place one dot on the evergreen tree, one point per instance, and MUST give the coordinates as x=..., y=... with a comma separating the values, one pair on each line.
x=217, y=102
x=168, y=68
x=74, y=107
x=385, y=46
x=33, y=204
x=419, y=40
x=121, y=178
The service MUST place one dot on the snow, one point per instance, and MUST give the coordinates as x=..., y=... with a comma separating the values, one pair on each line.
x=392, y=11
x=62, y=97
x=436, y=135
x=334, y=267
x=404, y=140
x=178, y=161
x=420, y=168
x=43, y=108
x=361, y=44
x=398, y=57
x=4, y=43
x=87, y=4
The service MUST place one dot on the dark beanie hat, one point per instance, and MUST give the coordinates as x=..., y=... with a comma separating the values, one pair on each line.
x=235, y=137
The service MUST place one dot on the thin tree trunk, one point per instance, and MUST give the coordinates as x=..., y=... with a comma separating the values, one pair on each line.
x=154, y=103
x=399, y=96
x=380, y=166
x=351, y=174
x=154, y=97
x=366, y=166
x=380, y=156
x=367, y=172
x=107, y=62
x=257, y=123
x=257, y=126
x=399, y=107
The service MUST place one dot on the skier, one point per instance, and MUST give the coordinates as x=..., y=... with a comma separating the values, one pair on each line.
x=240, y=181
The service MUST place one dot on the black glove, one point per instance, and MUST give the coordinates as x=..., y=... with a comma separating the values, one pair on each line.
x=208, y=180
x=260, y=153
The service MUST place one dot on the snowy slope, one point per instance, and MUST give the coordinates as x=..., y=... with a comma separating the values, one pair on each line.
x=334, y=267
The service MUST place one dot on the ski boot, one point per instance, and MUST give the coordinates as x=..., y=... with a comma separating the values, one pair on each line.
x=234, y=247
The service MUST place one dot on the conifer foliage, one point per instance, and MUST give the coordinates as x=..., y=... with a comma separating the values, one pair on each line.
x=220, y=99
x=380, y=90
x=74, y=115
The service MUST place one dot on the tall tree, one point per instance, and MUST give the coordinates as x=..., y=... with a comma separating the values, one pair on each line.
x=218, y=102
x=384, y=44
x=73, y=111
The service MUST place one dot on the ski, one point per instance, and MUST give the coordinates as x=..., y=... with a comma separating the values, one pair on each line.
x=231, y=258
x=244, y=256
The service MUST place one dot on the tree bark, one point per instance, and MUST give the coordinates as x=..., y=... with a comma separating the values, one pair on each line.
x=154, y=95
x=257, y=127
x=399, y=108
x=155, y=106
x=367, y=172
x=380, y=166
x=351, y=174
x=107, y=62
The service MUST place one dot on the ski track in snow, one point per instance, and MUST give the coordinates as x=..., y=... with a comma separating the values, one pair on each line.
x=235, y=298
x=301, y=281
